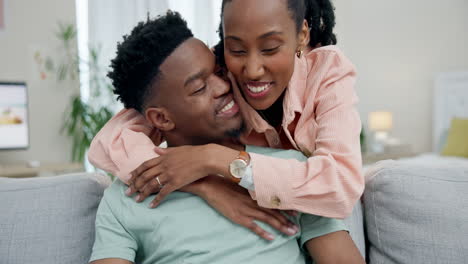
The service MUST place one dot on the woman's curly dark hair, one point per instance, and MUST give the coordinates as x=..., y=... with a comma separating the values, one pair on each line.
x=136, y=66
x=319, y=14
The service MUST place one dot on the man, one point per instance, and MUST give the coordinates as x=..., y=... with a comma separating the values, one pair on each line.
x=166, y=74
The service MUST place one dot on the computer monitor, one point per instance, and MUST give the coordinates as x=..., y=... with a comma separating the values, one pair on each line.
x=14, y=123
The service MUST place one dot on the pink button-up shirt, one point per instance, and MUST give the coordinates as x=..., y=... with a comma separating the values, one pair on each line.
x=319, y=110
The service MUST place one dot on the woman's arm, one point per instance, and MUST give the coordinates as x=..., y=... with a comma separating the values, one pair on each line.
x=125, y=142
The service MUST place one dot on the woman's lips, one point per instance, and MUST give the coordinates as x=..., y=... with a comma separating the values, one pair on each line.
x=258, y=89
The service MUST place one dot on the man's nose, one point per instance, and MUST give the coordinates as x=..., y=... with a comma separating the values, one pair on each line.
x=254, y=68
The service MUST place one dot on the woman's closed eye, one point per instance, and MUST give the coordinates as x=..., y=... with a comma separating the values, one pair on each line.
x=237, y=52
x=270, y=50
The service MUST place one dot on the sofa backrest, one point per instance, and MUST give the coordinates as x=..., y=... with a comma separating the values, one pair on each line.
x=49, y=220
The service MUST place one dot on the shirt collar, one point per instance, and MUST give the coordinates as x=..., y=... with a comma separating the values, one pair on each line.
x=294, y=98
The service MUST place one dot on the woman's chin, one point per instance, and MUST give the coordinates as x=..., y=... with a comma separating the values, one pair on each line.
x=260, y=104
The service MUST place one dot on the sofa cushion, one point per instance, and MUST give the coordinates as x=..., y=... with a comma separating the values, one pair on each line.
x=50, y=219
x=416, y=213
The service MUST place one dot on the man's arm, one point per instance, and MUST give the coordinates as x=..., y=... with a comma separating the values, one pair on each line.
x=111, y=261
x=327, y=240
x=113, y=239
x=125, y=141
x=336, y=247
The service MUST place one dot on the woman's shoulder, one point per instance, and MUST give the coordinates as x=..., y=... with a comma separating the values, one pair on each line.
x=330, y=56
x=326, y=62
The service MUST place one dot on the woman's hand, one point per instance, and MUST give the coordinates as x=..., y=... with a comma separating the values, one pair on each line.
x=175, y=168
x=235, y=203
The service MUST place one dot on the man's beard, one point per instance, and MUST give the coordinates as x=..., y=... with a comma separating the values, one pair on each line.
x=235, y=133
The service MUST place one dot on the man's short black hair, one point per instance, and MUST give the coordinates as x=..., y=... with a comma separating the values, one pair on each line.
x=136, y=67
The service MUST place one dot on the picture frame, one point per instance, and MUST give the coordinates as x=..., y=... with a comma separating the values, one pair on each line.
x=2, y=15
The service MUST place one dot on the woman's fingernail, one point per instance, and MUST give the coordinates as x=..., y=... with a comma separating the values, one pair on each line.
x=296, y=228
x=137, y=198
x=270, y=237
x=127, y=192
x=152, y=205
x=291, y=231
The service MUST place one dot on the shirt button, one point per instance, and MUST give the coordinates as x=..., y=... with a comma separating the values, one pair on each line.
x=275, y=201
x=276, y=141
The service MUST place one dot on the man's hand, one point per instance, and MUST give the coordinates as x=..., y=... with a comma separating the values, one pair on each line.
x=235, y=203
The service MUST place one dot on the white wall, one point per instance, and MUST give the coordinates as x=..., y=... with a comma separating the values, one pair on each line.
x=398, y=46
x=30, y=25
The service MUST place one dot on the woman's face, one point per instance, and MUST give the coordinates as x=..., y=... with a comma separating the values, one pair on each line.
x=260, y=42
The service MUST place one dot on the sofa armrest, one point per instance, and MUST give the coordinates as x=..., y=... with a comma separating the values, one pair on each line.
x=417, y=213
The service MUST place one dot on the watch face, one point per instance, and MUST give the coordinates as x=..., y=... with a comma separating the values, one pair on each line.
x=238, y=168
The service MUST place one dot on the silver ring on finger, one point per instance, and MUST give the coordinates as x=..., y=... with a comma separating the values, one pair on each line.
x=159, y=182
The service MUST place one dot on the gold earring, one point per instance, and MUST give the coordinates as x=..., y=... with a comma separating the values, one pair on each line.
x=299, y=53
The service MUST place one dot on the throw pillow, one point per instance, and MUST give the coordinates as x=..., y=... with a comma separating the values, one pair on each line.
x=457, y=140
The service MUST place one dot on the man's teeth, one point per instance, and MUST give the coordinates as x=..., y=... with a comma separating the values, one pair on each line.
x=228, y=107
x=257, y=89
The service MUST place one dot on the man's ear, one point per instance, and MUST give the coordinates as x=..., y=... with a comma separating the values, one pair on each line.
x=303, y=36
x=159, y=118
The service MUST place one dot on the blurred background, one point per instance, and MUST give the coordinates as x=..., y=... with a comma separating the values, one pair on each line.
x=398, y=47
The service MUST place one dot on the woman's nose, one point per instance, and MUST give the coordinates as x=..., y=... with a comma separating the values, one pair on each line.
x=254, y=69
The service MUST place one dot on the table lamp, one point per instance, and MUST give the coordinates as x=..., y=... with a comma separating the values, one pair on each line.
x=380, y=123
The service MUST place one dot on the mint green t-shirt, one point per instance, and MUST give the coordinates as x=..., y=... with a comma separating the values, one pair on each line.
x=185, y=229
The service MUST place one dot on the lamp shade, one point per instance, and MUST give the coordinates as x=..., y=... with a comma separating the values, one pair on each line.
x=380, y=121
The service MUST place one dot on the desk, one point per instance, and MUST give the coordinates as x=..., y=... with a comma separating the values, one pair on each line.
x=23, y=171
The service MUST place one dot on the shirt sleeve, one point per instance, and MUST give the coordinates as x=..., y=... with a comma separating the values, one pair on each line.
x=124, y=143
x=111, y=238
x=313, y=226
x=330, y=182
x=247, y=180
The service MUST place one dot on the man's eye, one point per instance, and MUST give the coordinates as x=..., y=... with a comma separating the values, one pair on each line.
x=200, y=90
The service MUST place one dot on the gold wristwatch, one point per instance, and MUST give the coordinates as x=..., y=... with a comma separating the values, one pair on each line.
x=238, y=167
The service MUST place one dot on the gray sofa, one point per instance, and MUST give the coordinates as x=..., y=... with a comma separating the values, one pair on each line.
x=407, y=215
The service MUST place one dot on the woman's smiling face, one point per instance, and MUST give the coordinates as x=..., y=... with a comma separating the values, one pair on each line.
x=260, y=43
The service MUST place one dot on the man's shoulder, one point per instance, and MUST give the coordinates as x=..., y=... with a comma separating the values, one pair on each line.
x=277, y=153
x=114, y=193
x=116, y=188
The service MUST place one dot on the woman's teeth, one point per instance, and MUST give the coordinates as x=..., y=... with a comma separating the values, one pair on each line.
x=227, y=107
x=257, y=89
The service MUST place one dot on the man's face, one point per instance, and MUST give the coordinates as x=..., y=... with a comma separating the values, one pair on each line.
x=199, y=103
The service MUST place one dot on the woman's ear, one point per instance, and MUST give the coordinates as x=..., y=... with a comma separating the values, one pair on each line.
x=160, y=118
x=303, y=36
